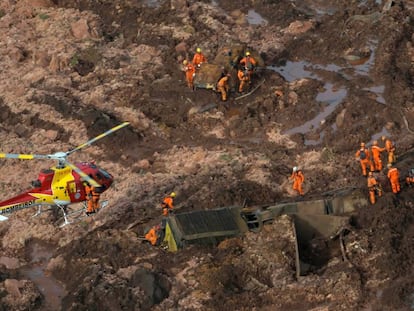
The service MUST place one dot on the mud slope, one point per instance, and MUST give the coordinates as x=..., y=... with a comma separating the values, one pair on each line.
x=337, y=73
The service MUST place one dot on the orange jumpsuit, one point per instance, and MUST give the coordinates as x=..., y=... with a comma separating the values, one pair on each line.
x=167, y=205
x=376, y=157
x=243, y=78
x=373, y=187
x=198, y=59
x=152, y=235
x=189, y=74
x=389, y=146
x=365, y=162
x=393, y=175
x=223, y=87
x=248, y=63
x=409, y=180
x=93, y=199
x=298, y=179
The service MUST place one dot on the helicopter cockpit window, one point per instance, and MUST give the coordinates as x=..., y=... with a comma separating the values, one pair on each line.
x=36, y=183
x=99, y=176
x=105, y=173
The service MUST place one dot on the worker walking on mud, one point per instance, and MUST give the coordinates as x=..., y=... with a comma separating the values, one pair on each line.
x=244, y=79
x=364, y=157
x=199, y=58
x=376, y=155
x=92, y=196
x=223, y=87
x=298, y=179
x=373, y=187
x=167, y=204
x=189, y=73
x=389, y=146
x=394, y=177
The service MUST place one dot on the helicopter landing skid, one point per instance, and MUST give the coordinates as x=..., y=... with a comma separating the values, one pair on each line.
x=65, y=215
x=76, y=215
x=39, y=211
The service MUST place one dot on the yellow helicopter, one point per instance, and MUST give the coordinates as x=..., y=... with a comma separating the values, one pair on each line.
x=62, y=184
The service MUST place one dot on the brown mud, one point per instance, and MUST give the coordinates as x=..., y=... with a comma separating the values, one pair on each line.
x=345, y=75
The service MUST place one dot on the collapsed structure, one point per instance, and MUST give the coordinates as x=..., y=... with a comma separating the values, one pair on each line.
x=321, y=219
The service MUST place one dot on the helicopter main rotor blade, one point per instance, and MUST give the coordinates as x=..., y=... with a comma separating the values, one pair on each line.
x=90, y=142
x=23, y=156
x=83, y=176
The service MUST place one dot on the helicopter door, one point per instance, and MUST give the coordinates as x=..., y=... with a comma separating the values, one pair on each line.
x=76, y=191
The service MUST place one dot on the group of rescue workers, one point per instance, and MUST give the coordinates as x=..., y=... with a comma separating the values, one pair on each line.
x=245, y=71
x=370, y=159
x=371, y=162
x=155, y=235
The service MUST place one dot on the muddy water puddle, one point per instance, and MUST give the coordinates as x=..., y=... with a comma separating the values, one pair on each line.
x=315, y=7
x=254, y=18
x=153, y=3
x=52, y=291
x=377, y=136
x=377, y=92
x=332, y=95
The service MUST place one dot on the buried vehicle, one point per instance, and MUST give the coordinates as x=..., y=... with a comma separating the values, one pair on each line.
x=226, y=61
x=314, y=223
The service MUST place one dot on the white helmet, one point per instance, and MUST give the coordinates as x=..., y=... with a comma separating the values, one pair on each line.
x=295, y=168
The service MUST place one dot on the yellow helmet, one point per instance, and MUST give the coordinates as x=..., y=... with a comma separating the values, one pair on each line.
x=198, y=50
x=185, y=62
x=247, y=53
x=173, y=195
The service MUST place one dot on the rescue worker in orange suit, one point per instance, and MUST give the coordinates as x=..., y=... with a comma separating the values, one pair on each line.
x=92, y=196
x=199, y=58
x=394, y=177
x=409, y=180
x=364, y=157
x=244, y=79
x=248, y=63
x=168, y=204
x=373, y=187
x=389, y=146
x=189, y=73
x=152, y=235
x=298, y=179
x=223, y=87
x=376, y=155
